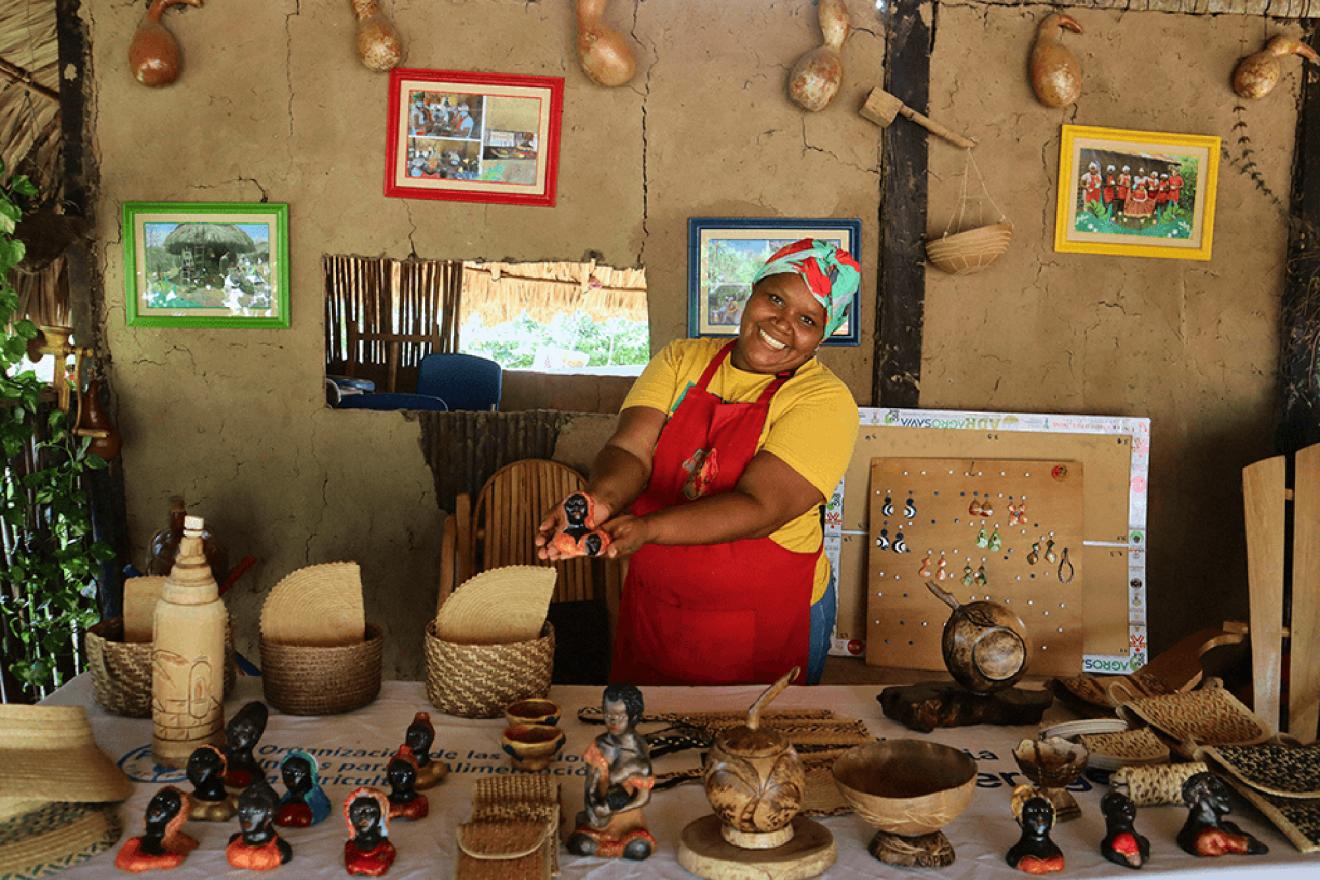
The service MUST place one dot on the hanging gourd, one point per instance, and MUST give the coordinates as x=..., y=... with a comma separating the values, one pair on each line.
x=605, y=54
x=816, y=76
x=1056, y=74
x=1257, y=75
x=379, y=44
x=154, y=55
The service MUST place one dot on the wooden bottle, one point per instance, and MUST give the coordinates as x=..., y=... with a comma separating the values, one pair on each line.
x=187, y=656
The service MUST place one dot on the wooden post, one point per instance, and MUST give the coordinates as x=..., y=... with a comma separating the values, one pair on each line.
x=901, y=281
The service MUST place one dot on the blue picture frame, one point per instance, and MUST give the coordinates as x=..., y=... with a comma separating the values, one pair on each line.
x=733, y=245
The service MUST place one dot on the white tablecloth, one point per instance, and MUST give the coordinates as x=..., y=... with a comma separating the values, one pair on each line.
x=354, y=748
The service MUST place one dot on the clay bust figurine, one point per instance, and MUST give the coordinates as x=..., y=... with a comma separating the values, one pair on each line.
x=1122, y=844
x=1034, y=853
x=405, y=802
x=304, y=802
x=368, y=851
x=164, y=846
x=210, y=802
x=579, y=536
x=1206, y=833
x=420, y=736
x=257, y=847
x=242, y=733
x=618, y=784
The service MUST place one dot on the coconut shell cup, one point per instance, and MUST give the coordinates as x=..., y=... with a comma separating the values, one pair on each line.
x=908, y=789
x=1053, y=764
x=532, y=747
x=534, y=711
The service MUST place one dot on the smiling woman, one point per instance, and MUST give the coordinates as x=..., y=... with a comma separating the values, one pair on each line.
x=713, y=482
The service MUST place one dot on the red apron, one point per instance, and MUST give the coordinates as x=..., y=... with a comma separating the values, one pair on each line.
x=730, y=613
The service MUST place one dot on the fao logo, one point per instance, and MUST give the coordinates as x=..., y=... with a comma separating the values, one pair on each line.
x=140, y=766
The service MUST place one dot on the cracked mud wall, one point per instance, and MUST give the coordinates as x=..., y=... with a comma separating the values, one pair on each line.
x=273, y=103
x=1193, y=345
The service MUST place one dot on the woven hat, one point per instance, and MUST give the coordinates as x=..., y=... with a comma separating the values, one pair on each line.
x=320, y=606
x=48, y=753
x=52, y=836
x=498, y=606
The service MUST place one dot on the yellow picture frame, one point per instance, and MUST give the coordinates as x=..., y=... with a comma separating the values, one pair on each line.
x=1170, y=215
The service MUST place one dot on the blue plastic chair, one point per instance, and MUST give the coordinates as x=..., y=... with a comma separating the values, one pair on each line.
x=464, y=381
x=392, y=400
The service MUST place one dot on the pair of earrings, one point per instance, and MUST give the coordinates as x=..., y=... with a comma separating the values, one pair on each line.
x=994, y=542
x=1050, y=556
x=978, y=508
x=1017, y=514
x=899, y=544
x=941, y=567
x=909, y=508
x=970, y=577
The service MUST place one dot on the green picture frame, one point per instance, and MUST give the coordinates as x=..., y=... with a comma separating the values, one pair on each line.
x=206, y=264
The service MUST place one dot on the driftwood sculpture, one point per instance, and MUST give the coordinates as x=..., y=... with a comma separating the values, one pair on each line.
x=1258, y=74
x=154, y=55
x=379, y=44
x=605, y=54
x=816, y=76
x=1056, y=74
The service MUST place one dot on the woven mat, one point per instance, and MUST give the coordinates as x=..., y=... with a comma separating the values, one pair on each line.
x=1297, y=818
x=509, y=815
x=1210, y=716
x=1280, y=771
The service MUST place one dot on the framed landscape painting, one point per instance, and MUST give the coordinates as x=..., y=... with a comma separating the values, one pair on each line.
x=206, y=264
x=473, y=137
x=1136, y=193
x=724, y=254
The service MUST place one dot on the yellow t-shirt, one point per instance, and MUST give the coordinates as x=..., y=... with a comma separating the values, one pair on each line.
x=811, y=425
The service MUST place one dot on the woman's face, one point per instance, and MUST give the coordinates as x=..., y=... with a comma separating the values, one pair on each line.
x=782, y=324
x=297, y=775
x=364, y=813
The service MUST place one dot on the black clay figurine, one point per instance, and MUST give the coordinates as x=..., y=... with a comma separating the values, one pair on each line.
x=164, y=846
x=1122, y=844
x=257, y=847
x=368, y=851
x=210, y=801
x=420, y=736
x=304, y=802
x=1206, y=832
x=242, y=734
x=405, y=802
x=579, y=536
x=1034, y=853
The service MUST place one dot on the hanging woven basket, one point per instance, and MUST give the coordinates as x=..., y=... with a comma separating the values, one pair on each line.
x=970, y=248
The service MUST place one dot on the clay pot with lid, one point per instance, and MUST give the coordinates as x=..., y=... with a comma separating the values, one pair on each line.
x=754, y=779
x=985, y=645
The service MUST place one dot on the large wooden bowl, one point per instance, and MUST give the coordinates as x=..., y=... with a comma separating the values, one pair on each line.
x=906, y=787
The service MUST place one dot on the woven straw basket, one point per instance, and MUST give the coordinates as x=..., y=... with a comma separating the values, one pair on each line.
x=121, y=671
x=54, y=836
x=303, y=680
x=478, y=681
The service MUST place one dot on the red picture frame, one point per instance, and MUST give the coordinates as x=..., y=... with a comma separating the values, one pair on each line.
x=473, y=137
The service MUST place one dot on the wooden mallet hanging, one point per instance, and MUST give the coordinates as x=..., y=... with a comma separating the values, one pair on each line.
x=881, y=108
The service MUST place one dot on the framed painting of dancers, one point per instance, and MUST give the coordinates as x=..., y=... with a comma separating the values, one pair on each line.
x=1136, y=193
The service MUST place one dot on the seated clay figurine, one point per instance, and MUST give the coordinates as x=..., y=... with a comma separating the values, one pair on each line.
x=618, y=783
x=368, y=851
x=1034, y=853
x=242, y=733
x=164, y=846
x=420, y=736
x=1206, y=833
x=304, y=802
x=405, y=802
x=579, y=536
x=257, y=847
x=1122, y=845
x=206, y=771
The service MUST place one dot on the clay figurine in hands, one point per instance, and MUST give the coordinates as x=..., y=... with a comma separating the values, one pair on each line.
x=1034, y=853
x=242, y=733
x=164, y=846
x=419, y=737
x=1206, y=833
x=257, y=847
x=579, y=536
x=1122, y=845
x=368, y=851
x=618, y=784
x=210, y=802
x=304, y=802
x=405, y=802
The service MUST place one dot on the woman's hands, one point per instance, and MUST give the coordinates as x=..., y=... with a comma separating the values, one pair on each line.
x=627, y=535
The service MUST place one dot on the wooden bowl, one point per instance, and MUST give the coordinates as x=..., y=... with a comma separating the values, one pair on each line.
x=1053, y=763
x=906, y=787
x=534, y=711
x=532, y=746
x=970, y=251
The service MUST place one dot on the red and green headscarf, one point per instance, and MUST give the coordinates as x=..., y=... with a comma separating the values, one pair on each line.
x=831, y=273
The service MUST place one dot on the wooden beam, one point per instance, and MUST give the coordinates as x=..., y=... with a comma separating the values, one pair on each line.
x=1299, y=336
x=901, y=280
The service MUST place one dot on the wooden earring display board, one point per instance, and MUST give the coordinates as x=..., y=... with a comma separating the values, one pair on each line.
x=904, y=621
